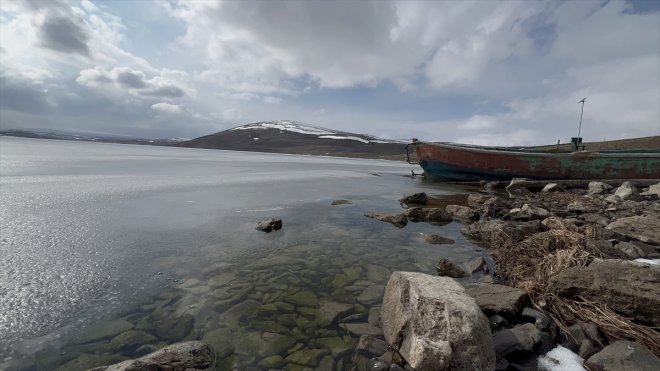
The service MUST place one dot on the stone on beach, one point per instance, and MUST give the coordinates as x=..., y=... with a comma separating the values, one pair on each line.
x=596, y=188
x=435, y=324
x=641, y=228
x=520, y=338
x=269, y=225
x=624, y=355
x=629, y=288
x=428, y=214
x=552, y=187
x=498, y=299
x=626, y=191
x=517, y=188
x=462, y=212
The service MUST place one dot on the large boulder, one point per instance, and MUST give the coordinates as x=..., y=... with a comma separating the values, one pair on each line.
x=498, y=299
x=623, y=355
x=627, y=287
x=189, y=356
x=627, y=191
x=435, y=324
x=641, y=228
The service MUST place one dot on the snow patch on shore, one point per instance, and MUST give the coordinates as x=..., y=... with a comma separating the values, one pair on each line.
x=561, y=359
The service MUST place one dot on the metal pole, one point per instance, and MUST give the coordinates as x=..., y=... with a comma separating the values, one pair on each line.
x=580, y=127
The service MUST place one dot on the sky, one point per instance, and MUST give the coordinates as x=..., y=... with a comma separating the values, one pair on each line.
x=480, y=72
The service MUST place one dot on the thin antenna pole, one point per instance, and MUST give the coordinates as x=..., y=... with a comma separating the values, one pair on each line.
x=581, y=113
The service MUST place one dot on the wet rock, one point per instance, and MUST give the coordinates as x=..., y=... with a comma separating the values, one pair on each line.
x=642, y=228
x=376, y=273
x=446, y=268
x=221, y=341
x=376, y=364
x=374, y=316
x=462, y=212
x=609, y=282
x=371, y=294
x=222, y=279
x=398, y=220
x=104, y=330
x=520, y=338
x=305, y=297
x=552, y=187
x=426, y=214
x=528, y=212
x=239, y=312
x=328, y=312
x=307, y=357
x=436, y=239
x=340, y=202
x=263, y=344
x=189, y=356
x=627, y=191
x=272, y=362
x=475, y=265
x=623, y=355
x=127, y=342
x=269, y=225
x=372, y=345
x=498, y=322
x=435, y=324
x=597, y=188
x=415, y=199
x=336, y=345
x=498, y=299
x=362, y=329
x=541, y=321
x=326, y=364
x=517, y=188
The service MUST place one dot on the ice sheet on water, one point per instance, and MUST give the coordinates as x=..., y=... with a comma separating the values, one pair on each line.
x=561, y=359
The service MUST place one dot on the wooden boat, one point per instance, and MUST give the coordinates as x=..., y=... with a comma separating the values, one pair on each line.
x=457, y=162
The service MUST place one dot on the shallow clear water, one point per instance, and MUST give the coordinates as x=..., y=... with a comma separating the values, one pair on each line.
x=157, y=245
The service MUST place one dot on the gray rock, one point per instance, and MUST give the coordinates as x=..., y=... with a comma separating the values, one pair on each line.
x=376, y=364
x=446, y=268
x=398, y=220
x=517, y=188
x=269, y=225
x=329, y=312
x=374, y=316
x=435, y=324
x=462, y=212
x=528, y=212
x=371, y=294
x=627, y=287
x=372, y=345
x=189, y=356
x=623, y=355
x=340, y=202
x=627, y=191
x=477, y=200
x=613, y=199
x=436, y=239
x=415, y=199
x=641, y=228
x=475, y=265
x=541, y=321
x=629, y=250
x=360, y=329
x=552, y=187
x=577, y=207
x=428, y=214
x=653, y=190
x=520, y=338
x=597, y=188
x=498, y=299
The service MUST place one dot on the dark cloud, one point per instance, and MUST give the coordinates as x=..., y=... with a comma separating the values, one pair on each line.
x=64, y=35
x=22, y=96
x=168, y=91
x=131, y=79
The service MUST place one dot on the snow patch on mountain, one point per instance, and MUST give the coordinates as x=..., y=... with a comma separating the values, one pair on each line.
x=321, y=133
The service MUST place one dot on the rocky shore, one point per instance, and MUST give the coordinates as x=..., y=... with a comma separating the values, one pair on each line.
x=575, y=283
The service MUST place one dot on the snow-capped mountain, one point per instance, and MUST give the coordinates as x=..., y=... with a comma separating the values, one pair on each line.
x=286, y=136
x=321, y=133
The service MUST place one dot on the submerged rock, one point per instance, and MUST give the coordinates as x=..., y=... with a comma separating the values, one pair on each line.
x=340, y=202
x=435, y=324
x=189, y=356
x=269, y=225
x=398, y=220
x=446, y=268
x=436, y=239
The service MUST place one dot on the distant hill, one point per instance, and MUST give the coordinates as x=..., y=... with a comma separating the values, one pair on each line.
x=613, y=145
x=297, y=138
x=87, y=137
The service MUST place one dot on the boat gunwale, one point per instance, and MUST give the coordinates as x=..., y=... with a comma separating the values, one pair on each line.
x=540, y=153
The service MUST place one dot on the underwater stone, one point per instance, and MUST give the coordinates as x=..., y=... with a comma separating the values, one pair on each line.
x=362, y=329
x=272, y=362
x=130, y=340
x=307, y=357
x=104, y=330
x=371, y=294
x=305, y=297
x=329, y=311
x=336, y=345
x=222, y=279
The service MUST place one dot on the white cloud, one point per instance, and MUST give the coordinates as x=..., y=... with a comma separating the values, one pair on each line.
x=167, y=108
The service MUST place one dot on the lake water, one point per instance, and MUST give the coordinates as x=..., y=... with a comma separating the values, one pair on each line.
x=110, y=251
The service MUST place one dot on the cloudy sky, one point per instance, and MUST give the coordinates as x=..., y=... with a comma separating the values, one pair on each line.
x=482, y=72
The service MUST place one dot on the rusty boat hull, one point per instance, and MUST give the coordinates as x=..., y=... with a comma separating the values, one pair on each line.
x=455, y=162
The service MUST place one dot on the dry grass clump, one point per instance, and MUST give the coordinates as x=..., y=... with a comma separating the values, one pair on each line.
x=529, y=265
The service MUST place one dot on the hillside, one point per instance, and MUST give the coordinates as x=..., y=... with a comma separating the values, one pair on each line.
x=613, y=145
x=294, y=137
